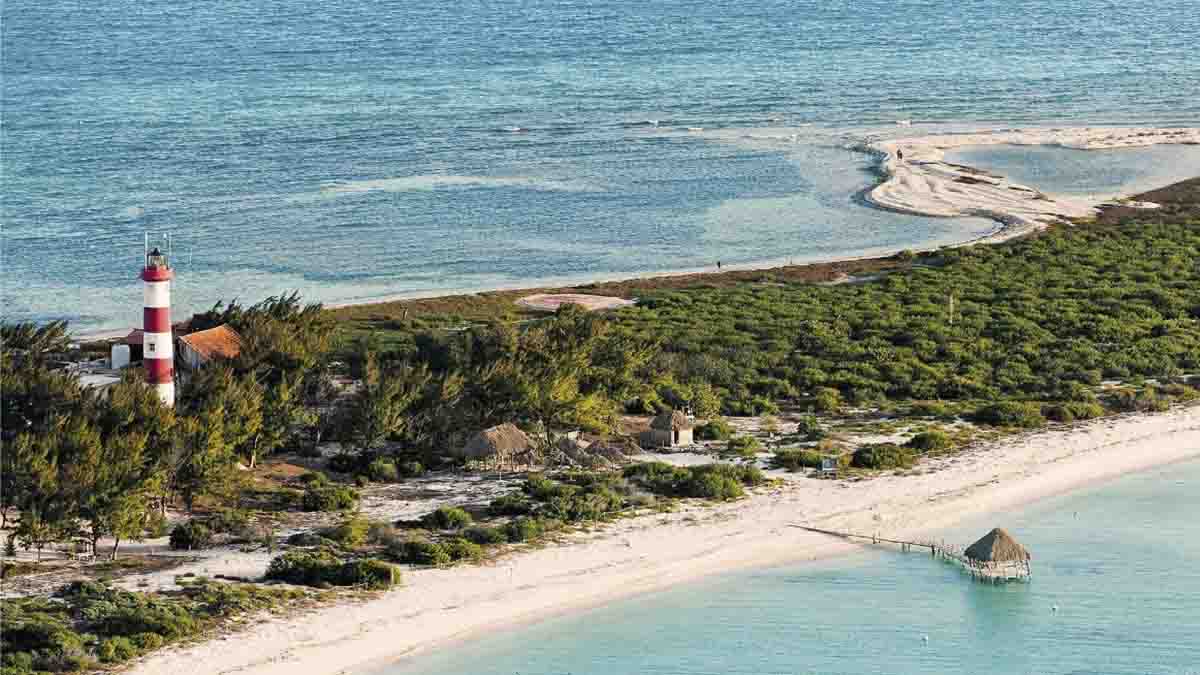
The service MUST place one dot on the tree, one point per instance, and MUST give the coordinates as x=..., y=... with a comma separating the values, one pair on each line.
x=119, y=501
x=204, y=460
x=705, y=401
x=379, y=408
x=240, y=400
x=31, y=343
x=31, y=467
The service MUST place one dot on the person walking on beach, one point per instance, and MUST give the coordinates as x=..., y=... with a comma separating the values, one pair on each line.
x=900, y=154
x=718, y=265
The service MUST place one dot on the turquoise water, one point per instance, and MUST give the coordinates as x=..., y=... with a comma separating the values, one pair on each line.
x=1084, y=172
x=355, y=149
x=1119, y=561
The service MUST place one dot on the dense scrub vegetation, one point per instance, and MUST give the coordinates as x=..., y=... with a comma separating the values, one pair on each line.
x=1046, y=319
x=90, y=624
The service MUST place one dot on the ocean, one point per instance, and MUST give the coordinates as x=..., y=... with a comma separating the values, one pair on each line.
x=1115, y=591
x=361, y=150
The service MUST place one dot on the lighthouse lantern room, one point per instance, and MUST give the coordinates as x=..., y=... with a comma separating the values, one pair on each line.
x=157, y=343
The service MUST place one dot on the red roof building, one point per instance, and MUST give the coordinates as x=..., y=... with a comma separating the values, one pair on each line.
x=199, y=348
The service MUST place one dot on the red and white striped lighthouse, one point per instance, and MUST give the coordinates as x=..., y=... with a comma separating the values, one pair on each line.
x=158, y=351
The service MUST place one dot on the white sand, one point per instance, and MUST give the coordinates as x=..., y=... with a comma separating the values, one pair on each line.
x=652, y=552
x=551, y=302
x=924, y=184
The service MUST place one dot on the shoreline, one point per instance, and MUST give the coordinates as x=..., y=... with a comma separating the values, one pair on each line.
x=920, y=187
x=654, y=552
x=923, y=183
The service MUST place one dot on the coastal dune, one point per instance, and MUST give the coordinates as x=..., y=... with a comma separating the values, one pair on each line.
x=923, y=183
x=656, y=551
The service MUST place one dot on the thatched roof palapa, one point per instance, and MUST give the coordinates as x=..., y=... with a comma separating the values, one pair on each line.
x=671, y=421
x=997, y=546
x=501, y=442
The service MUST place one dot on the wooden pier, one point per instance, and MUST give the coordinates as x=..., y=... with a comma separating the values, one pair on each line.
x=994, y=572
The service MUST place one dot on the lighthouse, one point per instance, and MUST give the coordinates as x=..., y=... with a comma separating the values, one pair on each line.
x=158, y=353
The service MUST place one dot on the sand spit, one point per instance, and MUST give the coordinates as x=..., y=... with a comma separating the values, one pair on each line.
x=923, y=183
x=656, y=551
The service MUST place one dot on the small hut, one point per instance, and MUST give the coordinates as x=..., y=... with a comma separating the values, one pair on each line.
x=998, y=556
x=669, y=430
x=500, y=446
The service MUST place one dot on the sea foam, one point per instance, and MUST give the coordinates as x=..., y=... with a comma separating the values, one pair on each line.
x=431, y=182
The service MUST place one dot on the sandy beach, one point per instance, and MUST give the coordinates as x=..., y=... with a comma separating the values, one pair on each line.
x=923, y=183
x=649, y=553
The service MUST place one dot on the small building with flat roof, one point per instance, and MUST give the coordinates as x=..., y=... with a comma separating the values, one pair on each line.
x=669, y=430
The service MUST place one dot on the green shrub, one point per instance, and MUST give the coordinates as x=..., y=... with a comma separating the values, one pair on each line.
x=592, y=503
x=314, y=479
x=664, y=479
x=345, y=462
x=329, y=498
x=523, y=529
x=743, y=406
x=883, y=456
x=420, y=552
x=229, y=521
x=1072, y=411
x=716, y=429
x=322, y=568
x=1011, y=414
x=542, y=489
x=746, y=474
x=148, y=642
x=305, y=568
x=372, y=573
x=1178, y=391
x=827, y=400
x=116, y=650
x=447, y=518
x=410, y=469
x=930, y=441
x=935, y=409
x=657, y=477
x=192, y=535
x=809, y=428
x=351, y=532
x=460, y=549
x=381, y=533
x=1145, y=399
x=743, y=446
x=512, y=504
x=713, y=486
x=383, y=470
x=144, y=614
x=720, y=481
x=484, y=536
x=796, y=459
x=309, y=539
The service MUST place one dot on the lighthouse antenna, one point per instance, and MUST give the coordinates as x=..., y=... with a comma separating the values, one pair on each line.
x=145, y=246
